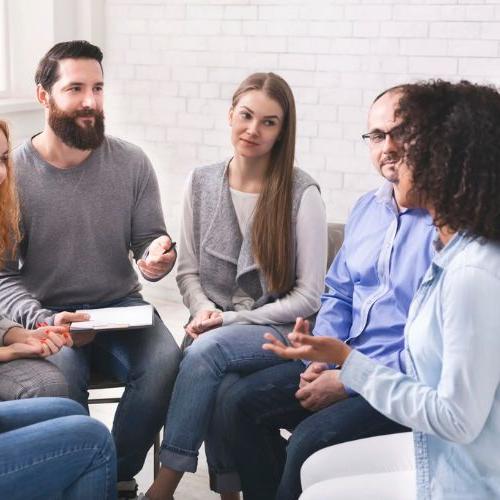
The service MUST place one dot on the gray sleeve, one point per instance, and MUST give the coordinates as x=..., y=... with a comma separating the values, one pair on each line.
x=147, y=219
x=16, y=303
x=188, y=272
x=5, y=326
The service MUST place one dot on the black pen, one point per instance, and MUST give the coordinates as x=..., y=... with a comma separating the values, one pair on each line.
x=171, y=247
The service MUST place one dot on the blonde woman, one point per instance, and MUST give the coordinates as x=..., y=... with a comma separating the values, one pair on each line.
x=252, y=258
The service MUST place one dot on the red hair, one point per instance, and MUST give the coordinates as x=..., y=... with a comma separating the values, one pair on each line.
x=9, y=207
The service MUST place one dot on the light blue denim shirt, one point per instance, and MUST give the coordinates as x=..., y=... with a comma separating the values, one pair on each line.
x=375, y=275
x=451, y=395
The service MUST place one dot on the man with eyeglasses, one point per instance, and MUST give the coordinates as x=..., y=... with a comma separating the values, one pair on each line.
x=387, y=249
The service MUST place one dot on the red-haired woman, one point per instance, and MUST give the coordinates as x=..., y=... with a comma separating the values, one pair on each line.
x=49, y=447
x=23, y=371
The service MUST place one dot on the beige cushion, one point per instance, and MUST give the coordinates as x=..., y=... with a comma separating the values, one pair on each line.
x=335, y=239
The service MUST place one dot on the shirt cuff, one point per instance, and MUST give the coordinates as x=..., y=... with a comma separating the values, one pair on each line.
x=356, y=370
x=229, y=317
x=5, y=326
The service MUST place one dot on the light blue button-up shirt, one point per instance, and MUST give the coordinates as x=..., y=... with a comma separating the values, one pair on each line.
x=373, y=278
x=451, y=395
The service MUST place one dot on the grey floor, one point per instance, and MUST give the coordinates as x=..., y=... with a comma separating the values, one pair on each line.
x=192, y=486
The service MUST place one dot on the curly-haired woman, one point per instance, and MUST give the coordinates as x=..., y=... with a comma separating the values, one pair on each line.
x=451, y=394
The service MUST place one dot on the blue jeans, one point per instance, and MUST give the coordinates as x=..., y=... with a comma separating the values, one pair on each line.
x=220, y=460
x=147, y=361
x=228, y=349
x=255, y=409
x=49, y=449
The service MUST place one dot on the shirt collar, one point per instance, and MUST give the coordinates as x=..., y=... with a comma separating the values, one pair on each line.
x=385, y=195
x=445, y=254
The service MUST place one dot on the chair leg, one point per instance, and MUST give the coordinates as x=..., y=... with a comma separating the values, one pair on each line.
x=156, y=455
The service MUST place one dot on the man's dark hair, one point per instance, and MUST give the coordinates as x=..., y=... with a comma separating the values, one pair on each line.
x=452, y=147
x=47, y=72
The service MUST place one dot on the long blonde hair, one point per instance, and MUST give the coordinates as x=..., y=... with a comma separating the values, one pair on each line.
x=9, y=208
x=272, y=243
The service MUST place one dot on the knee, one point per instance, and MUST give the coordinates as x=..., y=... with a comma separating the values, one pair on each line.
x=47, y=382
x=301, y=445
x=202, y=345
x=163, y=353
x=63, y=407
x=236, y=405
x=158, y=364
x=203, y=351
x=89, y=430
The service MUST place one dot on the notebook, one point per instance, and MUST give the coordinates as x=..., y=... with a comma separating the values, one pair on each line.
x=115, y=318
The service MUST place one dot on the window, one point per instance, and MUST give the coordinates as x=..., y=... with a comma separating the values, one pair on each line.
x=28, y=28
x=4, y=49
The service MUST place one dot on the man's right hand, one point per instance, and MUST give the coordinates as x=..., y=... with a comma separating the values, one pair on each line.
x=65, y=318
x=311, y=373
x=323, y=391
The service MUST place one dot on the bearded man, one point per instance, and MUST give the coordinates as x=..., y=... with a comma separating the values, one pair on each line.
x=88, y=200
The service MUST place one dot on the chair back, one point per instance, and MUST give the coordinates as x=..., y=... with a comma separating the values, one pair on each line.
x=335, y=240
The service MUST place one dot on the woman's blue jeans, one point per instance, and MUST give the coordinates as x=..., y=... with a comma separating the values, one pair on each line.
x=228, y=349
x=49, y=449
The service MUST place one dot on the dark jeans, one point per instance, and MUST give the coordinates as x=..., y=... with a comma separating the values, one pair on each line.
x=146, y=360
x=260, y=404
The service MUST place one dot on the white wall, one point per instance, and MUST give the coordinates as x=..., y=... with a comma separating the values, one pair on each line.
x=33, y=27
x=172, y=66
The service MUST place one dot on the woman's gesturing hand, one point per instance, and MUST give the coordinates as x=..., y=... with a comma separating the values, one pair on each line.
x=305, y=346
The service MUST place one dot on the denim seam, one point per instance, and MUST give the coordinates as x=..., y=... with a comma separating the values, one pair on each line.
x=118, y=413
x=179, y=451
x=52, y=456
x=248, y=358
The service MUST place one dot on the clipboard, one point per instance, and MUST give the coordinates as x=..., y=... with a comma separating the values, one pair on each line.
x=115, y=318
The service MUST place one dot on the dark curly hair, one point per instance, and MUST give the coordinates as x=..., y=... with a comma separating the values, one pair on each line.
x=452, y=137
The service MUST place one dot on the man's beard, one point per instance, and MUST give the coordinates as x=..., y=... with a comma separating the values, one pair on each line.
x=390, y=172
x=73, y=135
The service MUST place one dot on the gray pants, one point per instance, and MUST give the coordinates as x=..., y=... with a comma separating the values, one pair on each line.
x=31, y=378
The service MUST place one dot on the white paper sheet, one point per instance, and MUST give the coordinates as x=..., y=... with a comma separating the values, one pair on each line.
x=115, y=318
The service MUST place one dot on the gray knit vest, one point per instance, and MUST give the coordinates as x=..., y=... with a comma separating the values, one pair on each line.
x=225, y=255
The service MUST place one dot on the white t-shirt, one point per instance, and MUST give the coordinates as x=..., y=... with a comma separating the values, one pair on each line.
x=311, y=253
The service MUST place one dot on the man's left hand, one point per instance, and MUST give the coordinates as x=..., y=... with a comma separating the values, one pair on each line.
x=158, y=263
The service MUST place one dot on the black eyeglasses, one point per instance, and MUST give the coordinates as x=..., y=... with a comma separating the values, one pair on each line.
x=378, y=136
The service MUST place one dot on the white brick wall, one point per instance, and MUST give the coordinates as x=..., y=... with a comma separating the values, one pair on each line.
x=172, y=65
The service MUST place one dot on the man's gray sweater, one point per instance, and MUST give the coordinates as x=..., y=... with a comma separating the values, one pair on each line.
x=79, y=225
